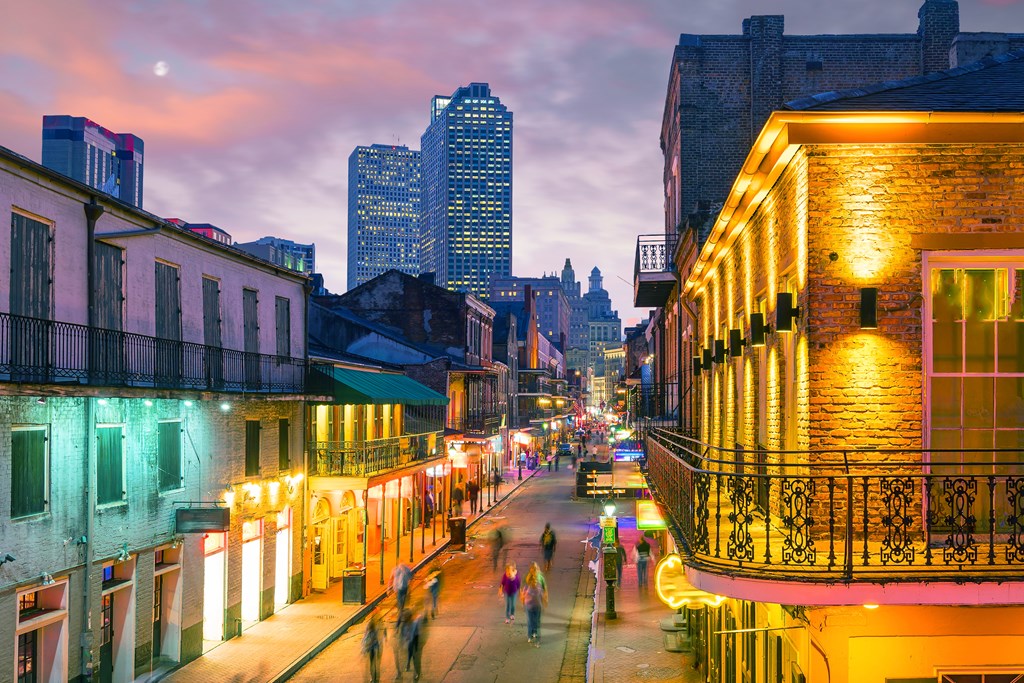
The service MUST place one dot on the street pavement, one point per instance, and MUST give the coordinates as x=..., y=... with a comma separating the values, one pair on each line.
x=318, y=638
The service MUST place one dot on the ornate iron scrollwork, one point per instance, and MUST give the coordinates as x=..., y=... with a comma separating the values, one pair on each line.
x=741, y=495
x=960, y=494
x=702, y=484
x=798, y=546
x=1015, y=519
x=898, y=498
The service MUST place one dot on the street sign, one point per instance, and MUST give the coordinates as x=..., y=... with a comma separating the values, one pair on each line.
x=201, y=520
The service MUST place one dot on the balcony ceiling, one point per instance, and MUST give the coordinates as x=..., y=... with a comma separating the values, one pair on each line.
x=652, y=290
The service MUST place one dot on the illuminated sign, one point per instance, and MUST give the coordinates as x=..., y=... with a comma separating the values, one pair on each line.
x=648, y=516
x=676, y=591
x=201, y=520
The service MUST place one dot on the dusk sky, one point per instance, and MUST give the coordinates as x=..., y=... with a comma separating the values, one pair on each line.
x=260, y=104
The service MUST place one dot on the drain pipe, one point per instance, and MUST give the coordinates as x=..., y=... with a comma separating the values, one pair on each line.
x=93, y=211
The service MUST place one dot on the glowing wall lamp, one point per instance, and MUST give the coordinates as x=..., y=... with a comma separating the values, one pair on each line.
x=868, y=308
x=736, y=343
x=696, y=365
x=719, y=351
x=757, y=329
x=706, y=353
x=785, y=312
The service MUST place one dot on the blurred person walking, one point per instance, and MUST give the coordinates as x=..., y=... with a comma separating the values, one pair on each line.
x=373, y=644
x=643, y=555
x=509, y=588
x=434, y=588
x=400, y=577
x=547, y=545
x=535, y=598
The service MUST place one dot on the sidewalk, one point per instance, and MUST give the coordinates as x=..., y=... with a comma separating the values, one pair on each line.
x=276, y=648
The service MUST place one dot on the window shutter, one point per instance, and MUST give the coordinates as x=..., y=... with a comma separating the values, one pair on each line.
x=109, y=465
x=28, y=472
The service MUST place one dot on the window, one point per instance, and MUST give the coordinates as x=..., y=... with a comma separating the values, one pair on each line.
x=169, y=477
x=282, y=310
x=252, y=447
x=30, y=471
x=283, y=459
x=27, y=651
x=110, y=482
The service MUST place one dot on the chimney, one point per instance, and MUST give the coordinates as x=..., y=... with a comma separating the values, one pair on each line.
x=938, y=25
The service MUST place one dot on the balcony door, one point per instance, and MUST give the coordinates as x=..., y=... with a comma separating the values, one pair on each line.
x=167, y=359
x=212, y=333
x=974, y=383
x=106, y=343
x=31, y=299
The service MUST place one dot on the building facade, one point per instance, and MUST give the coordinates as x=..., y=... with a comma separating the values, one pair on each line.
x=205, y=229
x=383, y=212
x=466, y=210
x=118, y=406
x=553, y=310
x=858, y=414
x=282, y=252
x=89, y=153
x=579, y=331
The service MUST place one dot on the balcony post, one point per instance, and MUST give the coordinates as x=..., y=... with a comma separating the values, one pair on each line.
x=848, y=545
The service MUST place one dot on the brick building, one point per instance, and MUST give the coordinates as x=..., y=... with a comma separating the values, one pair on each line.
x=850, y=487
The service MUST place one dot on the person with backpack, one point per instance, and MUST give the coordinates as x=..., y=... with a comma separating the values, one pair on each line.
x=535, y=597
x=373, y=644
x=547, y=545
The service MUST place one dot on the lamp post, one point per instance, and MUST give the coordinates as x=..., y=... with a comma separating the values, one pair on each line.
x=609, y=554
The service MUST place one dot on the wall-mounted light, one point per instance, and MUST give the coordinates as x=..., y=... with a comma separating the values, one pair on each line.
x=41, y=400
x=6, y=557
x=868, y=308
x=696, y=365
x=757, y=329
x=719, y=351
x=124, y=555
x=229, y=497
x=147, y=403
x=785, y=312
x=736, y=343
x=102, y=401
x=188, y=404
x=47, y=580
x=225, y=406
x=706, y=354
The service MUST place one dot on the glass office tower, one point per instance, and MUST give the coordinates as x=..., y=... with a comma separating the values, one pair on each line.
x=466, y=216
x=89, y=153
x=383, y=212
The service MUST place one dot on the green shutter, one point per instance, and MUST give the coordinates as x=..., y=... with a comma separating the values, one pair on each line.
x=252, y=447
x=109, y=465
x=283, y=459
x=28, y=472
x=169, y=456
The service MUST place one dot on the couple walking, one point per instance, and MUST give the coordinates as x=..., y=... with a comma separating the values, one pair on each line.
x=532, y=590
x=408, y=637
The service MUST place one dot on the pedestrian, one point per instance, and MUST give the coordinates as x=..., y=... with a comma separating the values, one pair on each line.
x=398, y=648
x=413, y=638
x=508, y=590
x=497, y=543
x=429, y=506
x=557, y=455
x=473, y=490
x=434, y=588
x=547, y=545
x=643, y=554
x=457, y=498
x=620, y=559
x=551, y=458
x=535, y=597
x=373, y=644
x=400, y=576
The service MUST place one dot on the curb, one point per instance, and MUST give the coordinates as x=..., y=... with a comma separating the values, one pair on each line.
x=371, y=605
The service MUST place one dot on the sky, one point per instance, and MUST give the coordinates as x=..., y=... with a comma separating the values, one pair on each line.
x=260, y=103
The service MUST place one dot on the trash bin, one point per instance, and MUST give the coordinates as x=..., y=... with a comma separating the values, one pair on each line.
x=353, y=586
x=457, y=529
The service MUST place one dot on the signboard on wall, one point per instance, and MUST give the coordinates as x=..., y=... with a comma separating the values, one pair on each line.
x=201, y=520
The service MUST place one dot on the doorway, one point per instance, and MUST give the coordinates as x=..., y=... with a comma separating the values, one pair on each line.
x=214, y=548
x=283, y=552
x=252, y=570
x=321, y=544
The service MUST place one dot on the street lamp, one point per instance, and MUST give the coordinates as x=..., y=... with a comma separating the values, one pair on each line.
x=609, y=553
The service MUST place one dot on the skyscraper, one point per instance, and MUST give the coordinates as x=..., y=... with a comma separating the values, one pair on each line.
x=466, y=217
x=383, y=212
x=286, y=253
x=89, y=153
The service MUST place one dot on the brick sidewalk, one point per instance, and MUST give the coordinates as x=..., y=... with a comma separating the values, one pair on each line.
x=276, y=648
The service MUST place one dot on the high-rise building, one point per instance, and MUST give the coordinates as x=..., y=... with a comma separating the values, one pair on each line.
x=466, y=215
x=282, y=252
x=89, y=153
x=383, y=212
x=603, y=324
x=579, y=332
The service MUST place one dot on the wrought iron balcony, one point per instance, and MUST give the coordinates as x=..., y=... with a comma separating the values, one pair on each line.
x=487, y=424
x=654, y=272
x=855, y=516
x=367, y=458
x=52, y=352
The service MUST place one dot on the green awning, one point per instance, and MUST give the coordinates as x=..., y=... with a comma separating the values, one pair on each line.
x=359, y=386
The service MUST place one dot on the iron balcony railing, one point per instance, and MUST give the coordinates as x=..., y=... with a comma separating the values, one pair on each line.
x=654, y=253
x=367, y=458
x=860, y=515
x=488, y=423
x=53, y=352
